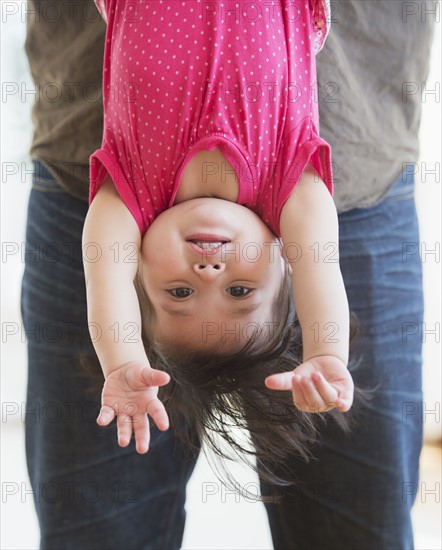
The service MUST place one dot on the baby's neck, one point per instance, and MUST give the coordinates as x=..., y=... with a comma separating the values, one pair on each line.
x=208, y=174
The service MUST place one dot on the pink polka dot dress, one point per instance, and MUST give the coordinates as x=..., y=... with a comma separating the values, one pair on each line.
x=183, y=76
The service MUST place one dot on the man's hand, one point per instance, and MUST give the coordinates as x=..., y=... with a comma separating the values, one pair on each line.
x=130, y=393
x=318, y=384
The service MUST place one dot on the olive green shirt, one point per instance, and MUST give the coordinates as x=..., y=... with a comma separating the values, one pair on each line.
x=65, y=48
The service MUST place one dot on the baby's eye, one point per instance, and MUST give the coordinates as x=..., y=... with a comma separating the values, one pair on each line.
x=181, y=292
x=239, y=291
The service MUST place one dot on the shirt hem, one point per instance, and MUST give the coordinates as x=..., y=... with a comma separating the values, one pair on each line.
x=317, y=151
x=70, y=190
x=107, y=165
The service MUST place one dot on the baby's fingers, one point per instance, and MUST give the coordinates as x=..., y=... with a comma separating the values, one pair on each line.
x=124, y=424
x=327, y=392
x=158, y=412
x=142, y=433
x=107, y=414
x=313, y=399
x=307, y=398
x=280, y=381
x=155, y=377
x=345, y=400
x=299, y=399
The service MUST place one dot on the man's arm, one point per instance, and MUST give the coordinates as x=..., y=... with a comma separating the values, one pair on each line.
x=310, y=220
x=111, y=243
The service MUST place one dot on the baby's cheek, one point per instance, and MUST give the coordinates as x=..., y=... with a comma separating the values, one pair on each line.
x=151, y=250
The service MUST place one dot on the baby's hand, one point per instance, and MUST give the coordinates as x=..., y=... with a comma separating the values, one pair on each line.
x=129, y=393
x=318, y=384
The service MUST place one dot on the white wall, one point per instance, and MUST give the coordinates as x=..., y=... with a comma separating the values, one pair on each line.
x=428, y=202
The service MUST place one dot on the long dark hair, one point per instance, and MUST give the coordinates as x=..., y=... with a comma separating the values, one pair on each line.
x=212, y=394
x=215, y=393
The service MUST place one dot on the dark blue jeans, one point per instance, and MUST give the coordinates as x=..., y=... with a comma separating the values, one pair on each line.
x=92, y=494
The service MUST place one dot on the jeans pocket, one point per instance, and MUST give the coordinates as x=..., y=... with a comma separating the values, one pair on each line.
x=43, y=180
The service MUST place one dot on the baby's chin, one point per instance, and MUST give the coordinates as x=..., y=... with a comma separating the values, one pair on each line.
x=215, y=206
x=213, y=212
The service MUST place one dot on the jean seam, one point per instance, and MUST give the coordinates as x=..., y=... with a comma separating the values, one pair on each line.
x=52, y=180
x=41, y=189
x=43, y=179
x=174, y=508
x=402, y=197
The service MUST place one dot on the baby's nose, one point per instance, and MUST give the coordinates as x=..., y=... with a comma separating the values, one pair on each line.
x=209, y=270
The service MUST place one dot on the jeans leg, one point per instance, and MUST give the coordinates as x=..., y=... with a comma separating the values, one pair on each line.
x=89, y=492
x=360, y=490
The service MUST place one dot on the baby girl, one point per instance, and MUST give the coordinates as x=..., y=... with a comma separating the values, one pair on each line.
x=212, y=234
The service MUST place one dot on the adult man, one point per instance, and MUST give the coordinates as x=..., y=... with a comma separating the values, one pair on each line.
x=110, y=497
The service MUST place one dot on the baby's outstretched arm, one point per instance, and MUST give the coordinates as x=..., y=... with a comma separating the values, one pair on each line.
x=111, y=244
x=310, y=234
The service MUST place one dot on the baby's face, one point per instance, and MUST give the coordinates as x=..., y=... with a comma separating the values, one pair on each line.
x=212, y=270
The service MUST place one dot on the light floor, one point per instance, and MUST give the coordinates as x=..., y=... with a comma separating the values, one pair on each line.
x=221, y=522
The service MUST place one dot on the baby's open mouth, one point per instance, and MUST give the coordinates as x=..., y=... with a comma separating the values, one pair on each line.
x=209, y=244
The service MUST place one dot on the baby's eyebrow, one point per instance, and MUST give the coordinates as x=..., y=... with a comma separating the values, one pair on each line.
x=242, y=310
x=247, y=309
x=176, y=312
